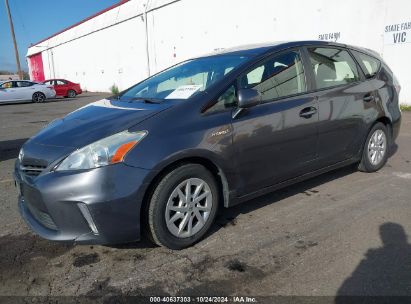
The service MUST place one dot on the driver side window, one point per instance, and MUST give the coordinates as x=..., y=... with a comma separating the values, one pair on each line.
x=6, y=85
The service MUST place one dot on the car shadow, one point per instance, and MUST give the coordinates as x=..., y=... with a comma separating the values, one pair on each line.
x=9, y=149
x=393, y=150
x=384, y=271
x=12, y=103
x=144, y=243
x=227, y=216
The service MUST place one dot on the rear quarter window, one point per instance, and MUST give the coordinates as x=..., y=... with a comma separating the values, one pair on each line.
x=369, y=64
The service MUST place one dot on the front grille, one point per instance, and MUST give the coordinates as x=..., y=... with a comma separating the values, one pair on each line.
x=42, y=217
x=32, y=170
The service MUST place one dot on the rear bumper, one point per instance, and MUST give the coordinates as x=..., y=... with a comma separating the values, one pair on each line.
x=100, y=206
x=396, y=126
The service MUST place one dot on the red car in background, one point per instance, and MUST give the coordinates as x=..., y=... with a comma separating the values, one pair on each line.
x=64, y=87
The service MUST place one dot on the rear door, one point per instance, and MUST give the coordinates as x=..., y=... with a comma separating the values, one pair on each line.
x=345, y=103
x=61, y=87
x=24, y=90
x=276, y=140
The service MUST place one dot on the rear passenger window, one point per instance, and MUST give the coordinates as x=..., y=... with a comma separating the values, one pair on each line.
x=279, y=76
x=22, y=84
x=332, y=67
x=369, y=64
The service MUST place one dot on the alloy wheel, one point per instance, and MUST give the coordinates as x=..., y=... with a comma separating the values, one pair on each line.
x=188, y=207
x=377, y=147
x=38, y=97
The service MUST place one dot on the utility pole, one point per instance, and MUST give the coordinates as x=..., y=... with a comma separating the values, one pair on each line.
x=14, y=41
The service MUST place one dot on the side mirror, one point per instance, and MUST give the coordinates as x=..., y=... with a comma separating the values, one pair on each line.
x=248, y=98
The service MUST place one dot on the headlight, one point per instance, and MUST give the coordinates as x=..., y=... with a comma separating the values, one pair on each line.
x=21, y=155
x=109, y=150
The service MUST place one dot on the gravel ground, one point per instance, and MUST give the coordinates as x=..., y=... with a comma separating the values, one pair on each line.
x=342, y=233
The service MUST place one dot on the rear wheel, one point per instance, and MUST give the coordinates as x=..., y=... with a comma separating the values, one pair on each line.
x=71, y=94
x=376, y=149
x=38, y=97
x=183, y=207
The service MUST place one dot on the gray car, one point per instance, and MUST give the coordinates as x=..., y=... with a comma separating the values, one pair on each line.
x=164, y=155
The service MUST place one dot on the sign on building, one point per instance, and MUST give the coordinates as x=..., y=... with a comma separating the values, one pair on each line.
x=397, y=33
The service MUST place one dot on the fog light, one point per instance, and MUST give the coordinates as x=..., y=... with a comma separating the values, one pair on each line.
x=86, y=213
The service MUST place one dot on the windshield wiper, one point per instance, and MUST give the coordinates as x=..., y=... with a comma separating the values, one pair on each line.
x=146, y=100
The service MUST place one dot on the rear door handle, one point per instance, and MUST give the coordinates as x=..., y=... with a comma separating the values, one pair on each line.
x=308, y=112
x=368, y=98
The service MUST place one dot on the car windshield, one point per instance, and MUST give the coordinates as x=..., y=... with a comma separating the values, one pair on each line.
x=184, y=80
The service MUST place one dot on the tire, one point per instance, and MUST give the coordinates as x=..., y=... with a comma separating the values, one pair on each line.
x=38, y=97
x=376, y=149
x=71, y=94
x=170, y=193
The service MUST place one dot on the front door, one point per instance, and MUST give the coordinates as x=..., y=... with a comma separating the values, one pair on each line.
x=276, y=140
x=7, y=92
x=24, y=90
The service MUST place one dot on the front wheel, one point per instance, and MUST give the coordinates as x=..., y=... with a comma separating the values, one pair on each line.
x=38, y=97
x=375, y=153
x=183, y=207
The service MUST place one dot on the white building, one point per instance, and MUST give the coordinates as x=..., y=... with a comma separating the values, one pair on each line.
x=136, y=38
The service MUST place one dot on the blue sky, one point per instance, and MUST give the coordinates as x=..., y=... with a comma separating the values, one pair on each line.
x=36, y=20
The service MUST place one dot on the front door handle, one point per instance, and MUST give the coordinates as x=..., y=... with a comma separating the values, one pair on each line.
x=308, y=112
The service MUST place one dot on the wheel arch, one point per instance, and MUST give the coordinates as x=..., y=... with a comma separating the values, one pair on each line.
x=215, y=170
x=382, y=119
x=385, y=121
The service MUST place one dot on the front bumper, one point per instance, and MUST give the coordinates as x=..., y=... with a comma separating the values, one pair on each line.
x=52, y=204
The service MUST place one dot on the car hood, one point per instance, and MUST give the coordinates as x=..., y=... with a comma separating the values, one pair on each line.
x=96, y=121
